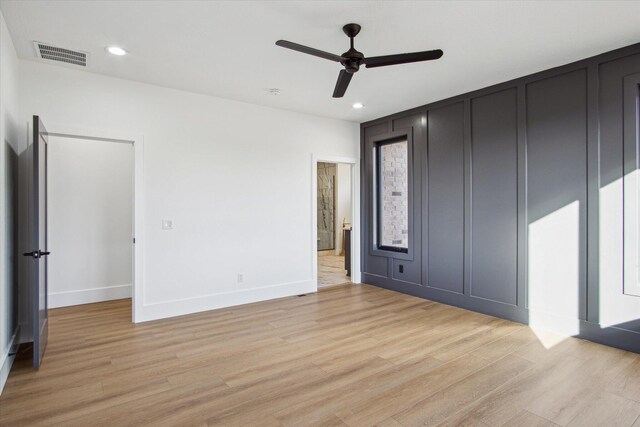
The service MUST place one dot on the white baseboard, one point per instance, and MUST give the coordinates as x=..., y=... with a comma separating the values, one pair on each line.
x=88, y=296
x=7, y=361
x=221, y=300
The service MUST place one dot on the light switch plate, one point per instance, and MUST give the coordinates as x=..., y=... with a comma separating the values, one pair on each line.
x=167, y=224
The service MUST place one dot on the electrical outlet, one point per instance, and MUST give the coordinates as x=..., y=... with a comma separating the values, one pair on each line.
x=240, y=277
x=401, y=268
x=167, y=224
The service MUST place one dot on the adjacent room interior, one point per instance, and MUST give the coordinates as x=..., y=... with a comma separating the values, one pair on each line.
x=90, y=220
x=353, y=213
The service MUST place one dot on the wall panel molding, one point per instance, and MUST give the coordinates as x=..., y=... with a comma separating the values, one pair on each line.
x=523, y=181
x=446, y=209
x=398, y=266
x=494, y=197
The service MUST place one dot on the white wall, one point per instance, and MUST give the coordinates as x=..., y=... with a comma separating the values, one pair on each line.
x=234, y=177
x=343, y=201
x=90, y=220
x=10, y=134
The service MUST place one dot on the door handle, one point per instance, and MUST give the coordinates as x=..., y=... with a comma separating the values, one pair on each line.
x=36, y=254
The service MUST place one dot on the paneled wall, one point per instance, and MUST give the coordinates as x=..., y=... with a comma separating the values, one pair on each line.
x=521, y=199
x=445, y=198
x=494, y=197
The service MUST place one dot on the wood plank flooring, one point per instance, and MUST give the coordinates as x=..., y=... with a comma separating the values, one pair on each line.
x=351, y=355
x=331, y=269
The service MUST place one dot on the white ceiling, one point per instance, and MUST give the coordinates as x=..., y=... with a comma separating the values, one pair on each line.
x=227, y=49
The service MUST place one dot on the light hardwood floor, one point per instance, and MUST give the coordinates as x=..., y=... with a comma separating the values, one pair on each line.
x=331, y=269
x=348, y=355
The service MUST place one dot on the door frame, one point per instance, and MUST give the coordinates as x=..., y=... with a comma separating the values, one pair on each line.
x=355, y=214
x=137, y=285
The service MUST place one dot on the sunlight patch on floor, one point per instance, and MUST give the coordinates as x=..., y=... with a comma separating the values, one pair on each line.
x=548, y=338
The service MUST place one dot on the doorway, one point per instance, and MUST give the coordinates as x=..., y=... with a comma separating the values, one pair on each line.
x=90, y=217
x=334, y=205
x=113, y=163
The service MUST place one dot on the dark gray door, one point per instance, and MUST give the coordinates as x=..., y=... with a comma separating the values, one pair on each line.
x=38, y=237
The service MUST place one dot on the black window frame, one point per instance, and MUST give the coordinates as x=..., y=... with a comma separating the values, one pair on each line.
x=377, y=190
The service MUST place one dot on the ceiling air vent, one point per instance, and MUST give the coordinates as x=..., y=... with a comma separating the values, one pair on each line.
x=59, y=54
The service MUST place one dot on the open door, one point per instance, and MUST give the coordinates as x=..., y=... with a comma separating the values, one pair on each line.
x=38, y=237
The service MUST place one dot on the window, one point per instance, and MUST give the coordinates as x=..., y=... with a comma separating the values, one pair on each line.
x=392, y=195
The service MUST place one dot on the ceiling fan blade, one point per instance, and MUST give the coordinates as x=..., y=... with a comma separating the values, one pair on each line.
x=341, y=85
x=310, y=51
x=402, y=58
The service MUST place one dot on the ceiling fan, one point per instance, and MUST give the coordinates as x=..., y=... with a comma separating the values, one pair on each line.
x=352, y=59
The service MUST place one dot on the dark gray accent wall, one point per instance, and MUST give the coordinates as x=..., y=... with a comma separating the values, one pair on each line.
x=497, y=174
x=445, y=210
x=402, y=267
x=556, y=174
x=618, y=155
x=376, y=265
x=494, y=196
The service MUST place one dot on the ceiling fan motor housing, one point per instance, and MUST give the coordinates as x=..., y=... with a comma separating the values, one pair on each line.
x=354, y=59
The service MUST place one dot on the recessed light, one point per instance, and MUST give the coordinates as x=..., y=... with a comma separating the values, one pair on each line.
x=115, y=50
x=358, y=105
